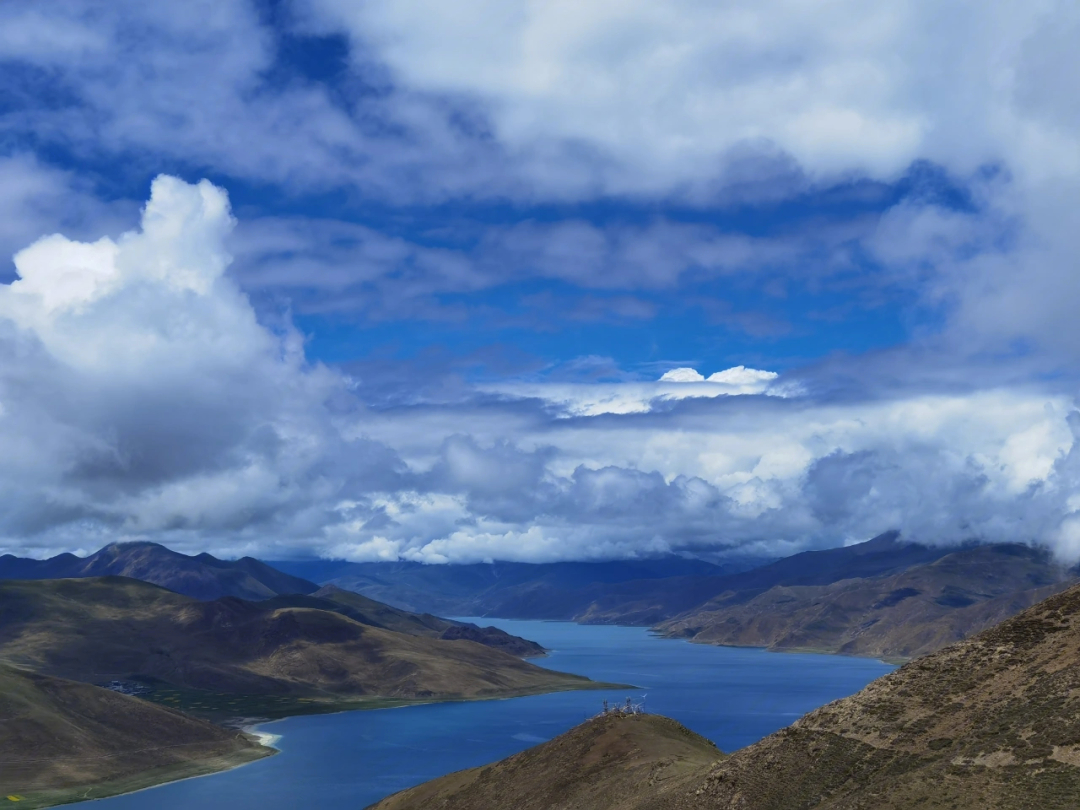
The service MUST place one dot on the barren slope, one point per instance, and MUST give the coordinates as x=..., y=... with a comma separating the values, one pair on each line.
x=898, y=617
x=97, y=630
x=612, y=762
x=60, y=739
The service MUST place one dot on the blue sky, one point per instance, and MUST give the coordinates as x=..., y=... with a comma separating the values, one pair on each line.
x=422, y=305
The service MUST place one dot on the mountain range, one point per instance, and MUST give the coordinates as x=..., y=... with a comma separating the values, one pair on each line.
x=898, y=616
x=886, y=597
x=506, y=589
x=202, y=576
x=640, y=592
x=989, y=723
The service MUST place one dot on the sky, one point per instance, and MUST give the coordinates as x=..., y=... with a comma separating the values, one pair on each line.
x=537, y=281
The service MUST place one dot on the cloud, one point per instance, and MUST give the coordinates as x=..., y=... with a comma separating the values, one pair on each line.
x=673, y=108
x=596, y=399
x=740, y=378
x=682, y=375
x=35, y=198
x=771, y=474
x=661, y=92
x=141, y=396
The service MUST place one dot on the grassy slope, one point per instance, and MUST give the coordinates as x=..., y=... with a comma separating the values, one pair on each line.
x=368, y=611
x=97, y=630
x=607, y=763
x=991, y=723
x=63, y=741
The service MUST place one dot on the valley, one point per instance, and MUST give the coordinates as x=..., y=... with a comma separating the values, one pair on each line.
x=886, y=597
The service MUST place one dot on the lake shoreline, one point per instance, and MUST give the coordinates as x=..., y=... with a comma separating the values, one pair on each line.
x=351, y=758
x=252, y=727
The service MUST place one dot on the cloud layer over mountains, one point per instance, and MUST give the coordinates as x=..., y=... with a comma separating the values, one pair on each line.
x=752, y=275
x=141, y=397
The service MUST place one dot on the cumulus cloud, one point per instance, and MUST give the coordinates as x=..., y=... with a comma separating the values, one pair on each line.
x=140, y=396
x=687, y=375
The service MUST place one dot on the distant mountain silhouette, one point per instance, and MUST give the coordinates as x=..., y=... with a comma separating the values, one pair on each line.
x=618, y=592
x=505, y=589
x=887, y=597
x=201, y=577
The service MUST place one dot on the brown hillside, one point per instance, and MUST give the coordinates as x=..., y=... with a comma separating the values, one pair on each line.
x=898, y=617
x=368, y=611
x=612, y=762
x=60, y=740
x=97, y=630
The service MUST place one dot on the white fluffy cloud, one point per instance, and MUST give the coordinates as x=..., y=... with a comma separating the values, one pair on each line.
x=667, y=89
x=141, y=397
x=697, y=99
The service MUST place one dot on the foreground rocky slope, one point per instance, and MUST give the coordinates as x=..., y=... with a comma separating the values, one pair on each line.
x=989, y=723
x=101, y=629
x=61, y=740
x=610, y=762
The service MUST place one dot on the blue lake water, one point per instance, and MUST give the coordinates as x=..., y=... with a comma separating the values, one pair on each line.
x=733, y=696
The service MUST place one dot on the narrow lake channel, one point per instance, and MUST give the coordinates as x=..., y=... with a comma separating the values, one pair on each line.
x=732, y=696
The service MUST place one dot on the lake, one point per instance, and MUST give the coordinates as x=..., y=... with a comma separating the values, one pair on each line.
x=733, y=696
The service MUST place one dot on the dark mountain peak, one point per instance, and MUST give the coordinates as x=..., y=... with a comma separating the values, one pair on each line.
x=202, y=576
x=133, y=548
x=882, y=542
x=331, y=590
